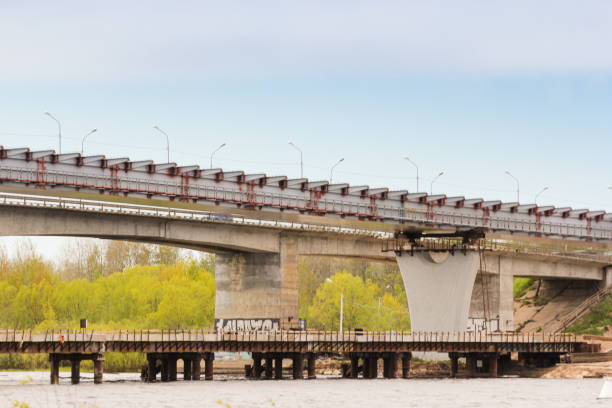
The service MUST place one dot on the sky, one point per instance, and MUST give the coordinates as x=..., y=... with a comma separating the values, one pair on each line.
x=470, y=88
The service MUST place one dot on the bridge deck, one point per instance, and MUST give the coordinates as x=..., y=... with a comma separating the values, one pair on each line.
x=283, y=342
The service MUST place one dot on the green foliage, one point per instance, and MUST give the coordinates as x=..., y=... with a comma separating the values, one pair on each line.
x=521, y=286
x=366, y=306
x=176, y=296
x=597, y=321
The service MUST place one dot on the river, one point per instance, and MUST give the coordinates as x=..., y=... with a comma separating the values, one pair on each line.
x=126, y=390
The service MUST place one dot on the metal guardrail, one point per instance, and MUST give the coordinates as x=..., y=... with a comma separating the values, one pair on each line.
x=422, y=214
x=9, y=199
x=584, y=308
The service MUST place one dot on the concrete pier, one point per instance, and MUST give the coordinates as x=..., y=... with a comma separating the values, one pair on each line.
x=278, y=367
x=406, y=364
x=312, y=358
x=298, y=366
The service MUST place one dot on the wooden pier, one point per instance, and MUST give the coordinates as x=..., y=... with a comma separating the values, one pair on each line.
x=485, y=353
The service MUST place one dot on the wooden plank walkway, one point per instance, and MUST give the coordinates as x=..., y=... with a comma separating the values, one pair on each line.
x=200, y=341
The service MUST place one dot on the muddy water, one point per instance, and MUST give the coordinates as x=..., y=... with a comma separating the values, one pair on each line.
x=126, y=390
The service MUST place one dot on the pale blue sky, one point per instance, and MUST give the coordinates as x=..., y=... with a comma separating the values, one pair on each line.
x=470, y=88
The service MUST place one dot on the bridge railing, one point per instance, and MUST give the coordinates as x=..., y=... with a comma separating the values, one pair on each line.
x=190, y=336
x=360, y=209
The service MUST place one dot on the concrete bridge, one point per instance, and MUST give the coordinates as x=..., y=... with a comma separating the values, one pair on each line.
x=256, y=261
x=258, y=226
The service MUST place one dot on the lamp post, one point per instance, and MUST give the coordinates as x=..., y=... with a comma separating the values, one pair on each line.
x=417, y=171
x=341, y=300
x=537, y=195
x=59, y=126
x=167, y=140
x=331, y=171
x=215, y=151
x=517, y=185
x=301, y=159
x=433, y=181
x=85, y=137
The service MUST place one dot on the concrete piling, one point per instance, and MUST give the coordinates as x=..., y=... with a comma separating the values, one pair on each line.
x=165, y=369
x=298, y=366
x=269, y=366
x=151, y=369
x=354, y=366
x=172, y=363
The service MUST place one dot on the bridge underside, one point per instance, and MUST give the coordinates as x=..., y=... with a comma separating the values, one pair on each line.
x=257, y=267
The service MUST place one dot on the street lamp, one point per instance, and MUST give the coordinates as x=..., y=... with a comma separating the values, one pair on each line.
x=341, y=300
x=537, y=195
x=59, y=126
x=167, y=140
x=85, y=137
x=213, y=153
x=433, y=181
x=417, y=171
x=517, y=185
x=331, y=171
x=301, y=159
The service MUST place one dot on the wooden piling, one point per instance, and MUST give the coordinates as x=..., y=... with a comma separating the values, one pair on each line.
x=298, y=366
x=196, y=367
x=312, y=358
x=99, y=369
x=186, y=368
x=256, y=365
x=354, y=366
x=151, y=369
x=75, y=370
x=406, y=364
x=55, y=363
x=454, y=365
x=278, y=366
x=209, y=359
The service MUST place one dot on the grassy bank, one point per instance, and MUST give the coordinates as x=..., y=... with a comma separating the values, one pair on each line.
x=597, y=321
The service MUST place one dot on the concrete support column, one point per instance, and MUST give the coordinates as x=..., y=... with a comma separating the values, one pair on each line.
x=172, y=368
x=311, y=366
x=298, y=366
x=196, y=367
x=165, y=369
x=256, y=365
x=607, y=277
x=151, y=368
x=75, y=372
x=187, y=368
x=438, y=288
x=269, y=365
x=506, y=297
x=366, y=366
x=454, y=365
x=55, y=363
x=259, y=287
x=98, y=369
x=406, y=363
x=209, y=359
x=278, y=366
x=354, y=366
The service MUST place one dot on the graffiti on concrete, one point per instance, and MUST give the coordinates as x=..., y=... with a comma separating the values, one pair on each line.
x=479, y=324
x=247, y=324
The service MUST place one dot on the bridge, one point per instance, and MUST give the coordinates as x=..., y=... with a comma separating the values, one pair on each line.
x=490, y=351
x=258, y=225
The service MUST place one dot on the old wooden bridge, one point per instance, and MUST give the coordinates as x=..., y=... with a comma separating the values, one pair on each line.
x=485, y=353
